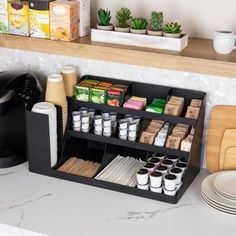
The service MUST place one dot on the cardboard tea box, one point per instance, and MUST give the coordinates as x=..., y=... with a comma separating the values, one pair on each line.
x=64, y=20
x=3, y=17
x=18, y=18
x=84, y=17
x=39, y=18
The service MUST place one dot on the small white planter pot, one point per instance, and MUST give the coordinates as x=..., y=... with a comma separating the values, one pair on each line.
x=107, y=27
x=170, y=35
x=136, y=31
x=154, y=33
x=120, y=29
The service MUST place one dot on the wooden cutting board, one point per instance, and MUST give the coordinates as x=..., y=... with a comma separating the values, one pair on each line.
x=222, y=118
x=228, y=146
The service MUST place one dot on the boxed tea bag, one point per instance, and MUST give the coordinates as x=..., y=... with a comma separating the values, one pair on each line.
x=39, y=18
x=64, y=20
x=3, y=17
x=18, y=18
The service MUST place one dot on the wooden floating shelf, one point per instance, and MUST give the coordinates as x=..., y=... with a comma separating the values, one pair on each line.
x=198, y=57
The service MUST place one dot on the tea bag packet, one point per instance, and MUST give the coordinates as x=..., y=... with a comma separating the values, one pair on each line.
x=162, y=135
x=186, y=144
x=147, y=137
x=174, y=106
x=196, y=103
x=173, y=142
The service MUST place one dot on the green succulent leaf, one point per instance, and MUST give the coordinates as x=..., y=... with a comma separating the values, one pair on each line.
x=104, y=17
x=172, y=28
x=123, y=16
x=157, y=21
x=139, y=23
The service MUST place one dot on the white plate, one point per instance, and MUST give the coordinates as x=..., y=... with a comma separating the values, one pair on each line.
x=225, y=183
x=208, y=190
x=224, y=195
x=213, y=207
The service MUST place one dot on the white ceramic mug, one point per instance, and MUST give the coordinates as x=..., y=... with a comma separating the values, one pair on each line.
x=224, y=42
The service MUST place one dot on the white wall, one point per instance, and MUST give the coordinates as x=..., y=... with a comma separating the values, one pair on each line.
x=199, y=18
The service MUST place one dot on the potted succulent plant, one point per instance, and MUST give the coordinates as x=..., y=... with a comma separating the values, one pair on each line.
x=172, y=30
x=123, y=16
x=139, y=25
x=156, y=24
x=104, y=20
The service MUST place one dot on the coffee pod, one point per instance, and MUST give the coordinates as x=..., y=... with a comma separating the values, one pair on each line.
x=170, y=182
x=98, y=128
x=178, y=186
x=83, y=110
x=131, y=138
x=142, y=176
x=149, y=166
x=105, y=115
x=107, y=134
x=178, y=173
x=132, y=126
x=159, y=155
x=85, y=130
x=70, y=79
x=97, y=132
x=167, y=163
x=76, y=116
x=123, y=137
x=123, y=124
x=156, y=179
x=85, y=118
x=85, y=126
x=97, y=120
x=172, y=158
x=129, y=118
x=162, y=169
x=77, y=124
x=123, y=132
x=76, y=128
x=107, y=122
x=156, y=190
x=154, y=160
x=182, y=160
x=107, y=129
x=113, y=116
x=133, y=134
x=170, y=193
x=182, y=166
x=143, y=187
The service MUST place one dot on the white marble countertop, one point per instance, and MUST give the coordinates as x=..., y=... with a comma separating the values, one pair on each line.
x=61, y=208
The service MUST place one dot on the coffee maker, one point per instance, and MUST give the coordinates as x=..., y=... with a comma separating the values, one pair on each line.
x=18, y=92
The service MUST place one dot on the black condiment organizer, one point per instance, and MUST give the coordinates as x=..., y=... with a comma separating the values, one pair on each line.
x=104, y=149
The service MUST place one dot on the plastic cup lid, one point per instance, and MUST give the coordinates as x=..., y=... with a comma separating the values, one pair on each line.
x=55, y=78
x=68, y=69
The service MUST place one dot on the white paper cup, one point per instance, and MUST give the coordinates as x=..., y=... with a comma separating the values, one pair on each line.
x=77, y=124
x=182, y=160
x=170, y=193
x=170, y=182
x=83, y=110
x=98, y=128
x=107, y=122
x=76, y=128
x=85, y=118
x=142, y=176
x=156, y=179
x=149, y=166
x=178, y=173
x=85, y=130
x=143, y=187
x=107, y=134
x=133, y=126
x=162, y=169
x=105, y=115
x=156, y=190
x=76, y=116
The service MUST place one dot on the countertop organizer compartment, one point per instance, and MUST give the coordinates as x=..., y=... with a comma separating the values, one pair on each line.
x=103, y=150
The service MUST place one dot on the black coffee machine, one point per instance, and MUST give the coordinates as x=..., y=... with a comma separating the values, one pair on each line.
x=18, y=91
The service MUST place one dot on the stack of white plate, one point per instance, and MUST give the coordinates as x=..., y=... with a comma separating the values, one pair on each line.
x=219, y=191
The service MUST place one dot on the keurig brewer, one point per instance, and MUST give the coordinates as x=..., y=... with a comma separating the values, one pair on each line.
x=17, y=92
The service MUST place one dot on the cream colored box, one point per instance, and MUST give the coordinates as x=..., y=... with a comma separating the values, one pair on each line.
x=84, y=17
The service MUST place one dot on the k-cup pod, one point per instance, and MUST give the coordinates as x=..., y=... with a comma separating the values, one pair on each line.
x=172, y=158
x=156, y=190
x=182, y=160
x=156, y=179
x=83, y=110
x=142, y=176
x=129, y=118
x=132, y=139
x=170, y=193
x=85, y=118
x=98, y=128
x=154, y=160
x=107, y=122
x=143, y=187
x=97, y=132
x=107, y=129
x=182, y=166
x=105, y=115
x=107, y=134
x=76, y=116
x=97, y=120
x=123, y=124
x=133, y=133
x=178, y=186
x=76, y=128
x=113, y=116
x=162, y=169
x=123, y=137
x=159, y=155
x=85, y=126
x=170, y=182
x=77, y=124
x=132, y=126
x=167, y=163
x=178, y=173
x=85, y=130
x=123, y=132
x=149, y=166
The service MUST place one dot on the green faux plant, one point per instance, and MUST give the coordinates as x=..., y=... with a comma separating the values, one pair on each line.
x=104, y=17
x=139, y=23
x=156, y=21
x=123, y=16
x=172, y=28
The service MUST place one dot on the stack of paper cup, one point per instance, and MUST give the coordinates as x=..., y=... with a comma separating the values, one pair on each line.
x=70, y=79
x=50, y=110
x=55, y=93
